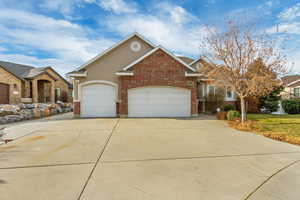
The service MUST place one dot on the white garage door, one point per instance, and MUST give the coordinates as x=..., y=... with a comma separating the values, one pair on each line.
x=98, y=100
x=159, y=102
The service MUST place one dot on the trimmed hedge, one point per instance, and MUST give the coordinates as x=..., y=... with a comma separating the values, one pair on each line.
x=291, y=106
x=233, y=114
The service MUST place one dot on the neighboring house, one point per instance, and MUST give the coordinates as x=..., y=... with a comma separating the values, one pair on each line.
x=207, y=87
x=135, y=78
x=26, y=84
x=291, y=86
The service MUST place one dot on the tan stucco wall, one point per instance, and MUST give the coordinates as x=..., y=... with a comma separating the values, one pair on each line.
x=106, y=67
x=8, y=78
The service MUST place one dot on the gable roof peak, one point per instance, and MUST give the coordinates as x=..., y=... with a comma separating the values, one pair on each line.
x=159, y=47
x=115, y=46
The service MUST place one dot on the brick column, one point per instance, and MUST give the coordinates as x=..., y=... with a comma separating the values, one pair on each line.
x=123, y=108
x=76, y=109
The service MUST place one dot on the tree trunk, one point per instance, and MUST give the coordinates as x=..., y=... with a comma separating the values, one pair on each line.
x=243, y=109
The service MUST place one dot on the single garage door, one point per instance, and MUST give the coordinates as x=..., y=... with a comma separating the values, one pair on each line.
x=159, y=102
x=98, y=100
x=4, y=93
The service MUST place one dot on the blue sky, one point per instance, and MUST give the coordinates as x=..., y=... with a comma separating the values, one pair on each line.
x=66, y=33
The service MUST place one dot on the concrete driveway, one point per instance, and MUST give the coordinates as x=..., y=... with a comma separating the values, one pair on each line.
x=143, y=159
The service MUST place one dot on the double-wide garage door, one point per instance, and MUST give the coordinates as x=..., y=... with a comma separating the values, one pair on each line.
x=159, y=102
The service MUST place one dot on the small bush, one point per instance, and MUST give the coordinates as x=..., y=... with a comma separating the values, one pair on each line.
x=233, y=114
x=229, y=107
x=291, y=106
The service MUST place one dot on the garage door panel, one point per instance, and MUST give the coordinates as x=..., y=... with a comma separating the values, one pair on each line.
x=98, y=100
x=159, y=102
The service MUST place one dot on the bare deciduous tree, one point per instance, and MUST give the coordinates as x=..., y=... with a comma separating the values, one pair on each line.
x=249, y=63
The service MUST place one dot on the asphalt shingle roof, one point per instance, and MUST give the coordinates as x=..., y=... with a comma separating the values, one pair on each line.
x=289, y=79
x=185, y=59
x=18, y=70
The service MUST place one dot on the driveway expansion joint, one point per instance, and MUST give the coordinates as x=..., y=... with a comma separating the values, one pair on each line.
x=48, y=165
x=270, y=177
x=98, y=159
x=200, y=157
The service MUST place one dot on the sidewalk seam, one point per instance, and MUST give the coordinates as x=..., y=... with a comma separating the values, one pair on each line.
x=98, y=159
x=270, y=177
x=200, y=157
x=47, y=165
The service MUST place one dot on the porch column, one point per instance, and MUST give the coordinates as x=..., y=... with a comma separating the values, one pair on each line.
x=34, y=91
x=52, y=94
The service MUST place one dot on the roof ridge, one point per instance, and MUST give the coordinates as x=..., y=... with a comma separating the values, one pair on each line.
x=19, y=64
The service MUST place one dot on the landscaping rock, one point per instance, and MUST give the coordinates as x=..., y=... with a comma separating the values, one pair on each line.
x=29, y=106
x=46, y=112
x=13, y=118
x=59, y=109
x=15, y=113
x=27, y=113
x=37, y=113
x=3, y=120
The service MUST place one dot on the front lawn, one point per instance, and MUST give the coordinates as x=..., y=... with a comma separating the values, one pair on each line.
x=281, y=127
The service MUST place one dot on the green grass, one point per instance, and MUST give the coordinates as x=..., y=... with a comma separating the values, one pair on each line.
x=277, y=124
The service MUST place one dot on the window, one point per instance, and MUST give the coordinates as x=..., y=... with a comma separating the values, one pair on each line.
x=297, y=92
x=229, y=92
x=57, y=92
x=211, y=89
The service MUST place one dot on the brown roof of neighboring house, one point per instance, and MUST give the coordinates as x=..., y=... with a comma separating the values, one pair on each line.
x=185, y=59
x=289, y=79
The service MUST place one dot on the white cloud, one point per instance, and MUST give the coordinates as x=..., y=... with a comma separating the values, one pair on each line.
x=65, y=42
x=63, y=6
x=2, y=49
x=289, y=28
x=173, y=12
x=290, y=13
x=118, y=6
x=179, y=38
x=167, y=24
x=294, y=61
x=60, y=65
x=66, y=7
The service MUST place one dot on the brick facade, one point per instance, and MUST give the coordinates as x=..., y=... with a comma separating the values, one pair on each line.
x=76, y=108
x=158, y=69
